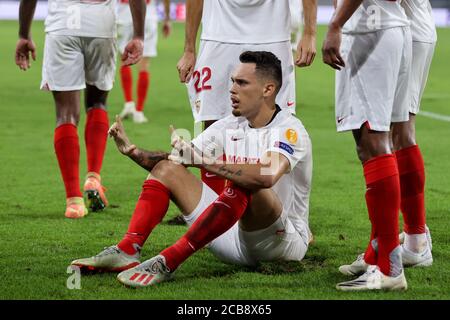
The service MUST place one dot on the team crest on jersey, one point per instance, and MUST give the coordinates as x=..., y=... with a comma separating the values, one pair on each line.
x=291, y=136
x=198, y=104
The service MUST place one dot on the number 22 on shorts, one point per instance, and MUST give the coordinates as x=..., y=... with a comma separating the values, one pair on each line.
x=201, y=79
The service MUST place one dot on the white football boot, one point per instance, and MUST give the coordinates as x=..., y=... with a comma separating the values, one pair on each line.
x=401, y=237
x=412, y=259
x=139, y=117
x=129, y=108
x=358, y=267
x=374, y=279
x=148, y=273
x=111, y=259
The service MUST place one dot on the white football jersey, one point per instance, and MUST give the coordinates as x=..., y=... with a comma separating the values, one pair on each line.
x=84, y=18
x=234, y=139
x=246, y=21
x=124, y=13
x=420, y=14
x=374, y=15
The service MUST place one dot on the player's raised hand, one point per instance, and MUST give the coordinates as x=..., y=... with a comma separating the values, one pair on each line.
x=117, y=132
x=133, y=52
x=306, y=51
x=331, y=48
x=186, y=66
x=23, y=49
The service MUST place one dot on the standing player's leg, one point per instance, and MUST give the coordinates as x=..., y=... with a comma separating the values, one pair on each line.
x=142, y=89
x=417, y=246
x=67, y=149
x=95, y=137
x=100, y=67
x=124, y=35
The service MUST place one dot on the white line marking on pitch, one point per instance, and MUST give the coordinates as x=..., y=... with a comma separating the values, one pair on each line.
x=436, y=116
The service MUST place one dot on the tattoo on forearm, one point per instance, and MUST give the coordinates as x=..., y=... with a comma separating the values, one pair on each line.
x=228, y=173
x=148, y=159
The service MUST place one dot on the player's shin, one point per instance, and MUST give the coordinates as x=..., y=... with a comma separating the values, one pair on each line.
x=142, y=89
x=95, y=136
x=150, y=210
x=220, y=216
x=412, y=180
x=383, y=202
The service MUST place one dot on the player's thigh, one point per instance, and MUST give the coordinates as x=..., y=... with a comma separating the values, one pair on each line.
x=209, y=86
x=263, y=210
x=422, y=55
x=150, y=39
x=62, y=68
x=366, y=87
x=100, y=62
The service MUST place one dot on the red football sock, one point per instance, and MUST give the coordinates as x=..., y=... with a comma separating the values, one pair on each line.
x=150, y=210
x=67, y=151
x=370, y=255
x=142, y=88
x=95, y=136
x=383, y=203
x=412, y=184
x=220, y=216
x=213, y=181
x=126, y=75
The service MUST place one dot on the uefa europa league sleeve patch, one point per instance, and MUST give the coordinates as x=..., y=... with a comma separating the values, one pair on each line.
x=284, y=146
x=291, y=136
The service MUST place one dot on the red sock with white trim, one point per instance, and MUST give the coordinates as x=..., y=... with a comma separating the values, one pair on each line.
x=220, y=216
x=383, y=203
x=67, y=151
x=150, y=210
x=215, y=182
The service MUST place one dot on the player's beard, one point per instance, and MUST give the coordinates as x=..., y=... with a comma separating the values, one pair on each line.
x=236, y=112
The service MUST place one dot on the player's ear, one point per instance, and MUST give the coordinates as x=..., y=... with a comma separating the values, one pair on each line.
x=269, y=89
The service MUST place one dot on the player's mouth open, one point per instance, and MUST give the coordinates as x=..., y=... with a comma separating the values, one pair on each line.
x=234, y=102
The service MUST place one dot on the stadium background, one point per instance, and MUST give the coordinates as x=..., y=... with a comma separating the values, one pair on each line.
x=38, y=243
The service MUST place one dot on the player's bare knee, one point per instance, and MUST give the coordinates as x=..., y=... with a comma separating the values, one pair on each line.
x=166, y=170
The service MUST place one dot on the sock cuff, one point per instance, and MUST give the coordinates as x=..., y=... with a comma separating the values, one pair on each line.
x=380, y=168
x=409, y=160
x=97, y=115
x=66, y=130
x=126, y=69
x=150, y=186
x=144, y=73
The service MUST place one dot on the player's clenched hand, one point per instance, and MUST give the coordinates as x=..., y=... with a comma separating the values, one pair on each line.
x=23, y=49
x=133, y=52
x=306, y=51
x=117, y=131
x=186, y=66
x=331, y=48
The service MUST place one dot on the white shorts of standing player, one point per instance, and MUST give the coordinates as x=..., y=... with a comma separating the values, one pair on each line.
x=296, y=8
x=373, y=88
x=71, y=61
x=210, y=84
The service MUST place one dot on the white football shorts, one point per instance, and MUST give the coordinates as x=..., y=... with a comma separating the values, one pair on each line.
x=125, y=34
x=209, y=87
x=280, y=241
x=70, y=62
x=421, y=62
x=374, y=85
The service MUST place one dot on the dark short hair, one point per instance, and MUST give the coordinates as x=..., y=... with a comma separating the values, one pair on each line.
x=267, y=65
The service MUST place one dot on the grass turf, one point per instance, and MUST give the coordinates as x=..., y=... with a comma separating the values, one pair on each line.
x=38, y=243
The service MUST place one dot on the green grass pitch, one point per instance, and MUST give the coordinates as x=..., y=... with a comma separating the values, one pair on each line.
x=38, y=243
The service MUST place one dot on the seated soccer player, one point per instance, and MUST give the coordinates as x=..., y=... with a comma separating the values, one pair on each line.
x=262, y=214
